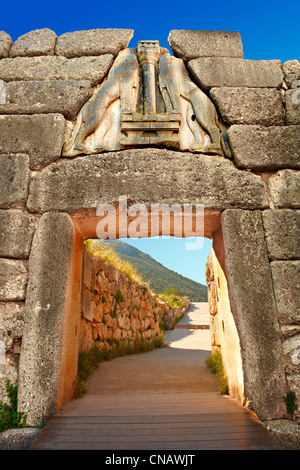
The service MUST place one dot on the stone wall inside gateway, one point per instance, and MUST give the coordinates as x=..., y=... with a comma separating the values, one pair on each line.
x=44, y=82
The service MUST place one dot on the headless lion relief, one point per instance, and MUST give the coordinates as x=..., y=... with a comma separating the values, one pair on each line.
x=124, y=112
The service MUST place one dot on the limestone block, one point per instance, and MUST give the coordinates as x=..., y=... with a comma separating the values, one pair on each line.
x=282, y=228
x=5, y=44
x=34, y=43
x=292, y=106
x=16, y=232
x=249, y=105
x=93, y=69
x=284, y=188
x=44, y=312
x=11, y=323
x=151, y=175
x=41, y=136
x=190, y=44
x=286, y=280
x=291, y=70
x=248, y=271
x=93, y=42
x=13, y=279
x=47, y=96
x=265, y=148
x=209, y=72
x=14, y=177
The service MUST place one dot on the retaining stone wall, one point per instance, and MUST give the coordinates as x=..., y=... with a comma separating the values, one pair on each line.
x=116, y=310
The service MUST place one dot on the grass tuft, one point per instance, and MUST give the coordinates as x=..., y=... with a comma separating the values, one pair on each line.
x=215, y=363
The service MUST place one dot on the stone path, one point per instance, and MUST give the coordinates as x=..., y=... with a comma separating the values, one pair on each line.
x=166, y=399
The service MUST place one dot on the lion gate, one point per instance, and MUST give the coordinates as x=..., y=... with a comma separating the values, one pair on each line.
x=85, y=120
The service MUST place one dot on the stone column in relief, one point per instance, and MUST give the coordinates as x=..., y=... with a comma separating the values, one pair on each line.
x=148, y=55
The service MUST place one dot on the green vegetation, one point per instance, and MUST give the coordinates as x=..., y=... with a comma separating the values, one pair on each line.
x=172, y=297
x=10, y=418
x=291, y=402
x=215, y=363
x=107, y=253
x=88, y=361
x=156, y=275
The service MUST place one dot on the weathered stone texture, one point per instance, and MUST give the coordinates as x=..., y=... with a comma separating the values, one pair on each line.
x=292, y=106
x=5, y=44
x=262, y=106
x=148, y=175
x=282, y=228
x=14, y=178
x=286, y=280
x=13, y=279
x=11, y=325
x=284, y=188
x=190, y=44
x=47, y=96
x=44, y=311
x=93, y=42
x=34, y=43
x=41, y=136
x=253, y=306
x=291, y=70
x=209, y=72
x=16, y=231
x=265, y=148
x=92, y=69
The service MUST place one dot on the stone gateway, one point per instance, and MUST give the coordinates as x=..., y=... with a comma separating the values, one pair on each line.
x=86, y=120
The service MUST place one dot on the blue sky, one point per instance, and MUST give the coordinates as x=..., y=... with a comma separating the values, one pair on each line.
x=269, y=30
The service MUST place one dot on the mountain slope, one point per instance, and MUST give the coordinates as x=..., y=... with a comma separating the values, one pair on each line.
x=158, y=276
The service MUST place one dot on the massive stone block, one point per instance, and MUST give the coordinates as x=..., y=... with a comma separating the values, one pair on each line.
x=14, y=176
x=249, y=105
x=34, y=43
x=92, y=69
x=48, y=96
x=93, y=42
x=16, y=231
x=41, y=136
x=13, y=279
x=209, y=72
x=190, y=44
x=253, y=307
x=147, y=176
x=44, y=313
x=286, y=279
x=265, y=148
x=284, y=188
x=282, y=233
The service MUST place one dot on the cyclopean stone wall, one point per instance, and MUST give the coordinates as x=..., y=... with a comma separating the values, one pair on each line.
x=117, y=310
x=48, y=204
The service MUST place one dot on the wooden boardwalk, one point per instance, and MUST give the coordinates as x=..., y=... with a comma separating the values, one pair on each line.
x=166, y=399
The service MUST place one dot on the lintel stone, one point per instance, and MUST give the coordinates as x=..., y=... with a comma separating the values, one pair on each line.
x=265, y=148
x=209, y=72
x=149, y=176
x=190, y=44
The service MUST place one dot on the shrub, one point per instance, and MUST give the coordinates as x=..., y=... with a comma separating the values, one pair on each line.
x=10, y=418
x=215, y=363
x=291, y=402
x=172, y=297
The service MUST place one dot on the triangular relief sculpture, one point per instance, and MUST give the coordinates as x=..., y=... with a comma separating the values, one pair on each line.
x=148, y=99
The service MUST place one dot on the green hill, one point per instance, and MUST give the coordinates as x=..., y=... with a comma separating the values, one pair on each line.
x=158, y=276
